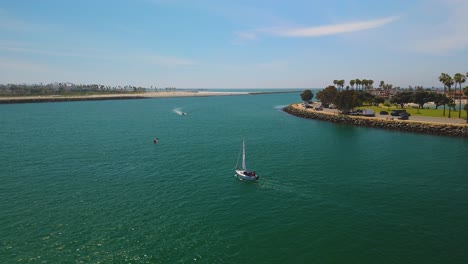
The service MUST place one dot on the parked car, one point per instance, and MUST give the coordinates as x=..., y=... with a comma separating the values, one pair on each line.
x=403, y=116
x=383, y=113
x=355, y=112
x=368, y=112
x=320, y=108
x=398, y=112
x=332, y=106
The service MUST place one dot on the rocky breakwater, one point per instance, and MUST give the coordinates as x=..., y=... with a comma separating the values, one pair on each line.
x=456, y=130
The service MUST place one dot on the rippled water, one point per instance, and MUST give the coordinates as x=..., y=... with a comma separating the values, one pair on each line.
x=82, y=182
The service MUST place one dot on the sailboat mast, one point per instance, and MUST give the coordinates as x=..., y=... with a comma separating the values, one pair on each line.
x=243, y=155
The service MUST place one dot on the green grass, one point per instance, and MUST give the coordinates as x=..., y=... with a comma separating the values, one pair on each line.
x=418, y=112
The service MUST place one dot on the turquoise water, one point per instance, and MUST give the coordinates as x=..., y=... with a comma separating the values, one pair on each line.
x=82, y=182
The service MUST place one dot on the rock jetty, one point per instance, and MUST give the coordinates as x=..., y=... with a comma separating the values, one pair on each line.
x=456, y=130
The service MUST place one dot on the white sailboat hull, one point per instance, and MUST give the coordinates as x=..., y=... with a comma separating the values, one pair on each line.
x=244, y=174
x=241, y=175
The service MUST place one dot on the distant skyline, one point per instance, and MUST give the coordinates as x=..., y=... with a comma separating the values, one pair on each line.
x=232, y=44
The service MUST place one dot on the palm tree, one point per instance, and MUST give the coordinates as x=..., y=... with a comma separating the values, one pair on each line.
x=387, y=88
x=459, y=78
x=449, y=83
x=352, y=82
x=341, y=83
x=364, y=84
x=335, y=82
x=358, y=82
x=443, y=79
x=370, y=82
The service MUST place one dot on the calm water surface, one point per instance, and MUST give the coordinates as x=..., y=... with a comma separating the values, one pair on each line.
x=82, y=182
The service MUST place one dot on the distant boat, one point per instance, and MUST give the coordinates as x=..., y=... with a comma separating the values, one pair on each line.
x=179, y=112
x=243, y=173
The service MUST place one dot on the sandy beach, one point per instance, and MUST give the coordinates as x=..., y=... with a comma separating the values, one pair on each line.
x=188, y=94
x=161, y=94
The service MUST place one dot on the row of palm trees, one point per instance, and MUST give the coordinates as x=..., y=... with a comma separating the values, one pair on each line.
x=363, y=84
x=339, y=83
x=448, y=81
x=444, y=78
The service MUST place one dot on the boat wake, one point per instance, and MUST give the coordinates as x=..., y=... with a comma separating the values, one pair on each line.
x=179, y=111
x=279, y=107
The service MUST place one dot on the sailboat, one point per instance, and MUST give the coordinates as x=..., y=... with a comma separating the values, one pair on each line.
x=244, y=174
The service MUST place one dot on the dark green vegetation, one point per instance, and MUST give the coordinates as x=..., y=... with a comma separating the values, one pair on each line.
x=414, y=111
x=466, y=105
x=348, y=99
x=448, y=81
x=419, y=97
x=328, y=95
x=307, y=95
x=366, y=95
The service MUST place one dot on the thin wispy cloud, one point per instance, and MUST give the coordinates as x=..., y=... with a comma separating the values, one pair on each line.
x=241, y=43
x=242, y=38
x=8, y=23
x=161, y=60
x=333, y=29
x=12, y=24
x=24, y=49
x=317, y=31
x=23, y=66
x=246, y=35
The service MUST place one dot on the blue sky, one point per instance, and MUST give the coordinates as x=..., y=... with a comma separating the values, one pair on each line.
x=232, y=44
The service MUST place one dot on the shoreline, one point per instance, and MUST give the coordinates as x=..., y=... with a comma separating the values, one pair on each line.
x=430, y=126
x=123, y=96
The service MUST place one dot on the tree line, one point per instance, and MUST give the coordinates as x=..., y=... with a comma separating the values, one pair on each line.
x=64, y=89
x=346, y=100
x=448, y=81
x=364, y=84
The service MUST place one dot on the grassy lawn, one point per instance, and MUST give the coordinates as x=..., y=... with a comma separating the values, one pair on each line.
x=417, y=112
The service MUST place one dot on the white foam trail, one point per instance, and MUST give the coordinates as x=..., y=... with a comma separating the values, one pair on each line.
x=178, y=111
x=279, y=107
